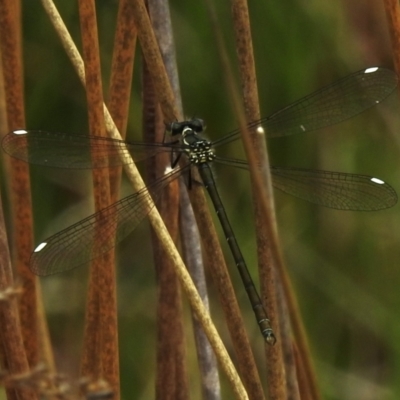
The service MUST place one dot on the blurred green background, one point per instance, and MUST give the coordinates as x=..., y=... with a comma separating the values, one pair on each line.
x=344, y=265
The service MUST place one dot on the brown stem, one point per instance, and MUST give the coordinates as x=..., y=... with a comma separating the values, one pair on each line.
x=256, y=151
x=392, y=9
x=154, y=62
x=191, y=248
x=160, y=16
x=171, y=379
x=14, y=357
x=21, y=205
x=121, y=79
x=100, y=358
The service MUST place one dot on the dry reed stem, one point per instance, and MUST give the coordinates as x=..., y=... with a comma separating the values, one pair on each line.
x=102, y=307
x=46, y=350
x=301, y=337
x=122, y=66
x=119, y=95
x=5, y=263
x=267, y=227
x=392, y=9
x=227, y=297
x=256, y=152
x=191, y=248
x=121, y=80
x=13, y=351
x=292, y=384
x=171, y=376
x=302, y=378
x=21, y=205
x=161, y=20
x=155, y=219
x=154, y=62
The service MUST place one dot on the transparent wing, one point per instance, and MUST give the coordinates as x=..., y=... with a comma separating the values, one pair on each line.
x=330, y=105
x=66, y=150
x=339, y=190
x=98, y=233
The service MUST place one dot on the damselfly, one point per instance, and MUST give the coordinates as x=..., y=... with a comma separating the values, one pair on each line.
x=332, y=104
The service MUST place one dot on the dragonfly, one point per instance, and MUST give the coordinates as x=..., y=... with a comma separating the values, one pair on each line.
x=82, y=242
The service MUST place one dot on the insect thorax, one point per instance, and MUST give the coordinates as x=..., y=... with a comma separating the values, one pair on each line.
x=199, y=150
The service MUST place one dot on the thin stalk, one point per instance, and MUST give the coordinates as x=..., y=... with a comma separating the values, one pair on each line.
x=171, y=377
x=154, y=63
x=256, y=151
x=302, y=378
x=121, y=80
x=12, y=344
x=161, y=20
x=12, y=352
x=21, y=204
x=291, y=372
x=268, y=233
x=227, y=297
x=392, y=9
x=191, y=247
x=100, y=357
x=119, y=95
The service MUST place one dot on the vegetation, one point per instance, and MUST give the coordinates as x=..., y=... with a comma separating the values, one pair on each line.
x=343, y=266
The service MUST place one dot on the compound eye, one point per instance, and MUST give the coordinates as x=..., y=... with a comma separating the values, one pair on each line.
x=197, y=124
x=174, y=128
